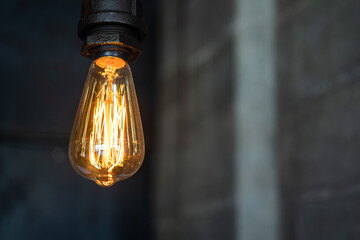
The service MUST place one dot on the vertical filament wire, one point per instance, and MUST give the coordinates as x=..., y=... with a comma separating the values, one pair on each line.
x=106, y=149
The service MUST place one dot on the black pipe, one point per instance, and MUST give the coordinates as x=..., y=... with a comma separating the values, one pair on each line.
x=112, y=25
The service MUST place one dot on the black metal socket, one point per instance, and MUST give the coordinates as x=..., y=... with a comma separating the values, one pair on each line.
x=112, y=25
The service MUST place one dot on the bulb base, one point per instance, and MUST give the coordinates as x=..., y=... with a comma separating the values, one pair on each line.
x=108, y=38
x=112, y=22
x=109, y=50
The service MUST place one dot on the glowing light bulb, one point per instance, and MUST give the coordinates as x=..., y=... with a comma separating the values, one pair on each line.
x=107, y=142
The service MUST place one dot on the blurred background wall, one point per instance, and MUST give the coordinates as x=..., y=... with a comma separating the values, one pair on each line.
x=250, y=110
x=258, y=120
x=318, y=122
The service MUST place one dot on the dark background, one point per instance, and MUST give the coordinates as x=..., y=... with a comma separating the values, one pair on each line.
x=251, y=116
x=42, y=77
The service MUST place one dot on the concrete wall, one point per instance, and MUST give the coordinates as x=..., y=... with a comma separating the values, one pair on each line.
x=195, y=161
x=215, y=168
x=258, y=115
x=319, y=112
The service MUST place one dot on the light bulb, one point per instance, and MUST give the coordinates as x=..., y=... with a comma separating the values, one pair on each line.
x=107, y=142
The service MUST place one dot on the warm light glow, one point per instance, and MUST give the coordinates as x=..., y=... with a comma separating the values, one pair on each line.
x=110, y=63
x=107, y=143
x=107, y=136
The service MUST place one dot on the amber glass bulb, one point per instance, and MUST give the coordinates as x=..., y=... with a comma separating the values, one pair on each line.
x=107, y=142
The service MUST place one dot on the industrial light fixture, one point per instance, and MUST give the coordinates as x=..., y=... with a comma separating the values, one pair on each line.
x=107, y=142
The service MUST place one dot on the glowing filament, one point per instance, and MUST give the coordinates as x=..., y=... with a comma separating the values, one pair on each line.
x=106, y=149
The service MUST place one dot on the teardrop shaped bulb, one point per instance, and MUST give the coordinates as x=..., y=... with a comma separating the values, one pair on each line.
x=107, y=141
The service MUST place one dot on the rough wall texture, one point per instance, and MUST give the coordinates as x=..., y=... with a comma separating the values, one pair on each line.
x=319, y=113
x=215, y=170
x=317, y=118
x=194, y=179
